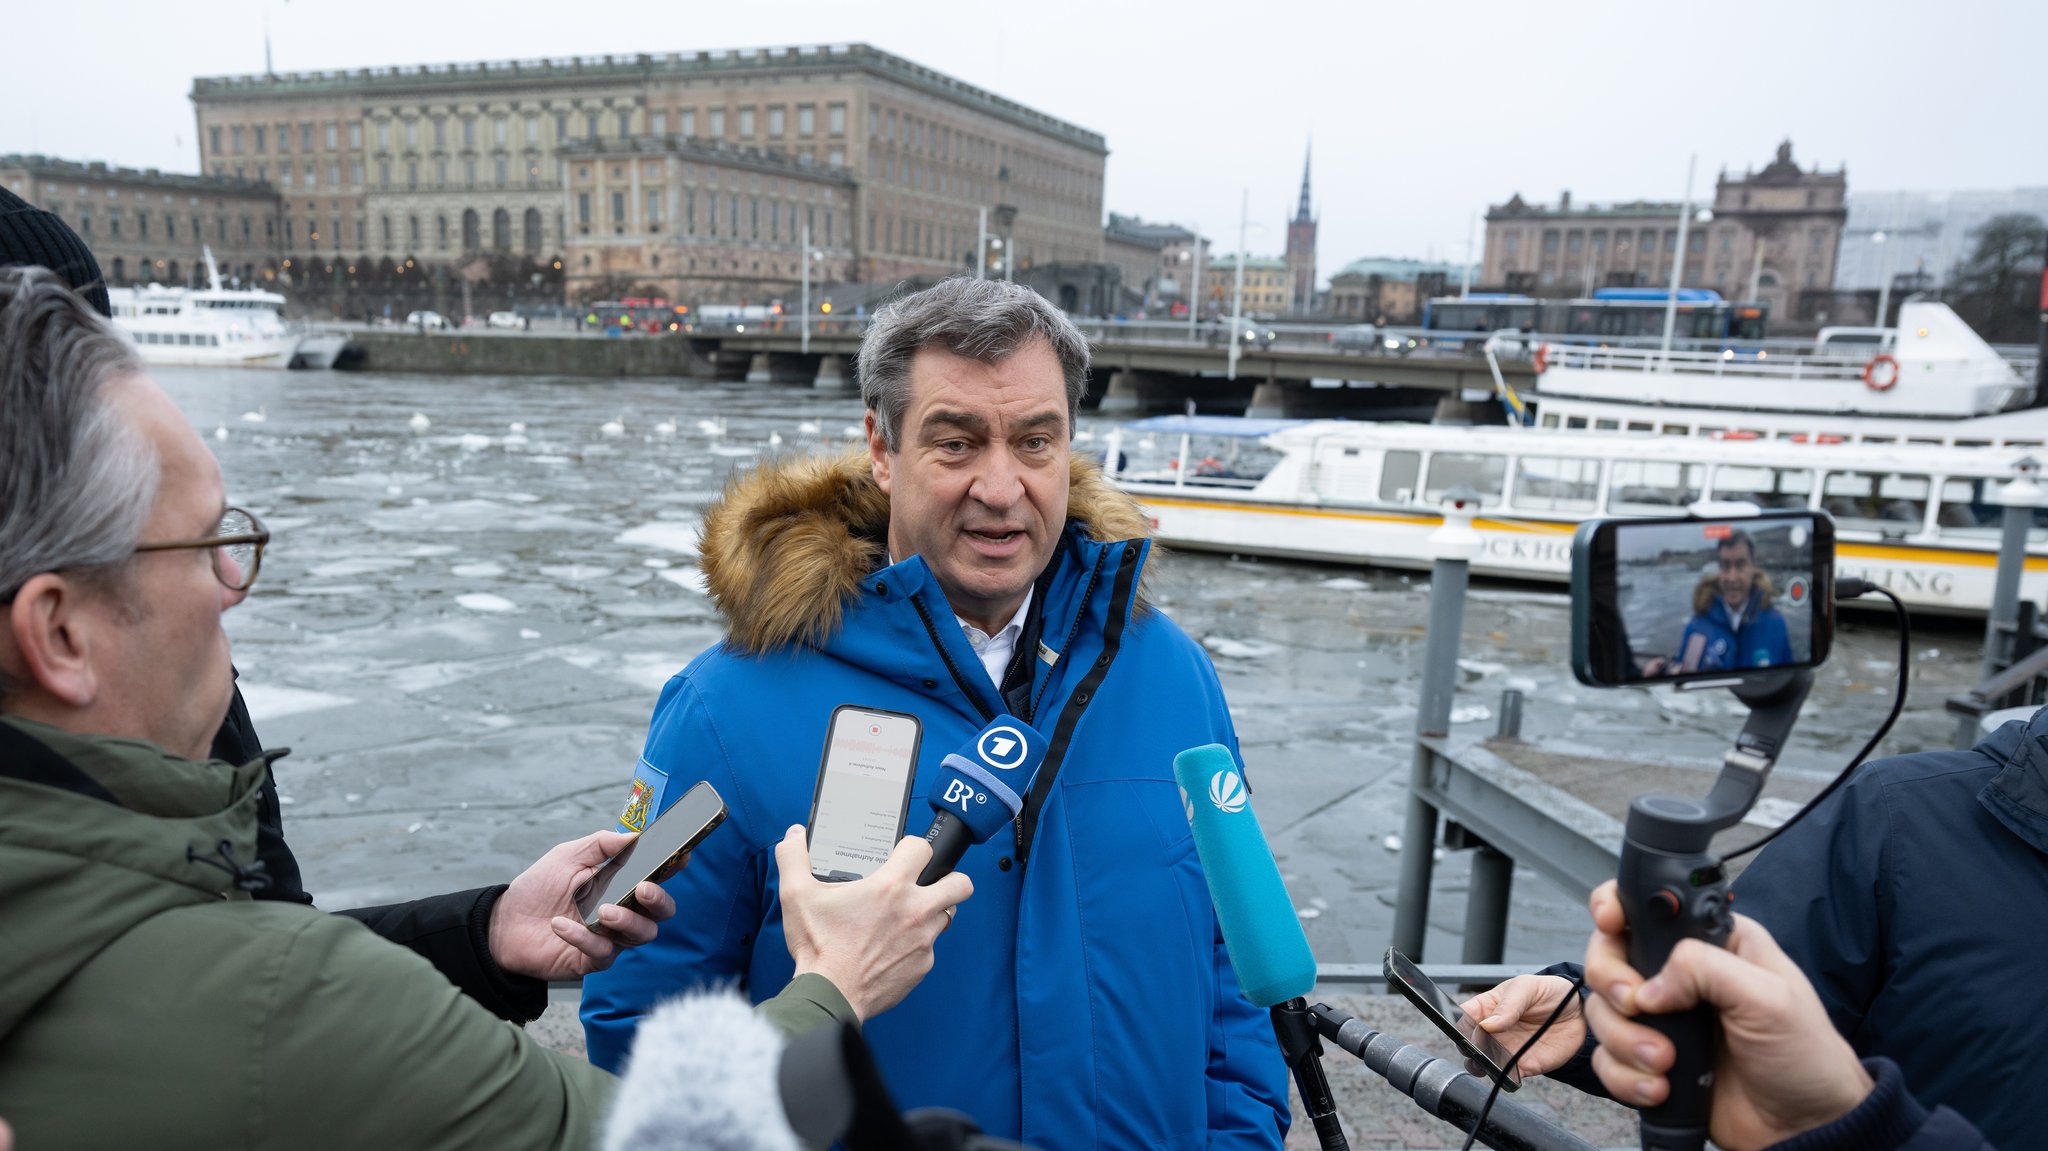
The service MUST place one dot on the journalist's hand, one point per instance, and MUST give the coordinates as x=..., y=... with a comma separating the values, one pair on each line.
x=535, y=929
x=1782, y=1068
x=1514, y=1010
x=872, y=937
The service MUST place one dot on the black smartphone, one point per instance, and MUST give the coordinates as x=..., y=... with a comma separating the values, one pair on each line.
x=862, y=799
x=1483, y=1053
x=1689, y=599
x=660, y=848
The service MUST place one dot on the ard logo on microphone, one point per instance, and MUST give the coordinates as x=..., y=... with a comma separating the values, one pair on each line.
x=1002, y=748
x=1226, y=791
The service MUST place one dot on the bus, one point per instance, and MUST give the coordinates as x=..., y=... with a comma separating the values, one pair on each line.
x=1611, y=314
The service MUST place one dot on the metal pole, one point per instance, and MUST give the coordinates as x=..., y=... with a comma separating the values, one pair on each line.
x=981, y=246
x=1237, y=291
x=1195, y=300
x=1471, y=232
x=2020, y=498
x=1678, y=262
x=1455, y=544
x=805, y=258
x=1493, y=870
x=1884, y=271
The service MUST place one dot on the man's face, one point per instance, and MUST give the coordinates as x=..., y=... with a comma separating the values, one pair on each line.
x=1738, y=573
x=163, y=668
x=978, y=482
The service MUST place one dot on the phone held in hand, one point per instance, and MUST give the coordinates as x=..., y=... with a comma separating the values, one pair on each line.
x=1484, y=1054
x=661, y=850
x=863, y=794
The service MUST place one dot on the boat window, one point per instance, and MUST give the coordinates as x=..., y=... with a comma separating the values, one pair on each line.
x=1764, y=487
x=1637, y=426
x=1675, y=430
x=1575, y=421
x=1486, y=475
x=1876, y=502
x=185, y=338
x=1561, y=485
x=1653, y=487
x=1607, y=425
x=1397, y=476
x=1924, y=440
x=1973, y=443
x=1550, y=419
x=1967, y=509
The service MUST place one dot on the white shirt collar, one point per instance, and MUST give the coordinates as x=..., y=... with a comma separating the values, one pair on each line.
x=997, y=650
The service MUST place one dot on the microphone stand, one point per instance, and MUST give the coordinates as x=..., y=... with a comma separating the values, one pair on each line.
x=1294, y=1027
x=1442, y=1089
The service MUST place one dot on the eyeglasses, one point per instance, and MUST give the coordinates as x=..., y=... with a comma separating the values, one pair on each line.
x=237, y=548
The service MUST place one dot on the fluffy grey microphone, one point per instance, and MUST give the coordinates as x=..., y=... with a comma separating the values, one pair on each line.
x=701, y=1076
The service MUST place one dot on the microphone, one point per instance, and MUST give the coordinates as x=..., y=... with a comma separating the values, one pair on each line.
x=703, y=1074
x=1267, y=948
x=980, y=788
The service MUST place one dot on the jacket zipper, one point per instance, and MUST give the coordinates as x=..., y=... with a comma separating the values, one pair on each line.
x=952, y=669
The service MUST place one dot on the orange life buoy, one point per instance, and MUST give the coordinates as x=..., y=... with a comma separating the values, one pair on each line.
x=1871, y=379
x=1542, y=357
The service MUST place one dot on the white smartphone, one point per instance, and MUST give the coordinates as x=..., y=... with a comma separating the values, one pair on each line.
x=661, y=850
x=863, y=794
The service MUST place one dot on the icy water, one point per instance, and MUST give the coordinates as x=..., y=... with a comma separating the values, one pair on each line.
x=461, y=630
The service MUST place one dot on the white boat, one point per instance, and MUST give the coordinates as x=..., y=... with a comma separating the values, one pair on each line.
x=213, y=326
x=1921, y=520
x=1931, y=380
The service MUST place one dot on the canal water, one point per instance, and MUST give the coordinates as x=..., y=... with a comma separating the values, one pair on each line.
x=476, y=588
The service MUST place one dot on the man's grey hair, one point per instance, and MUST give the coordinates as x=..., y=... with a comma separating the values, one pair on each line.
x=986, y=320
x=77, y=478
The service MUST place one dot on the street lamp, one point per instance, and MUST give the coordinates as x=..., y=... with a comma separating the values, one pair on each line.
x=1678, y=259
x=805, y=256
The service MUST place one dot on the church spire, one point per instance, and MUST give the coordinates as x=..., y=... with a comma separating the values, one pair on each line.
x=1302, y=213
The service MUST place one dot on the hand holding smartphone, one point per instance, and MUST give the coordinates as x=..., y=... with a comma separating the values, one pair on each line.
x=662, y=849
x=1483, y=1053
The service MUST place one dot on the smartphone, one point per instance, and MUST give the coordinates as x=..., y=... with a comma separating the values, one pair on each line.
x=660, y=850
x=863, y=794
x=1674, y=600
x=1483, y=1053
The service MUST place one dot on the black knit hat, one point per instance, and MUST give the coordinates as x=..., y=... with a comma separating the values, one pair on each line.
x=30, y=235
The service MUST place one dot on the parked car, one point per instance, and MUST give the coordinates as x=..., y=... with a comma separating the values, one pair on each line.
x=510, y=321
x=426, y=320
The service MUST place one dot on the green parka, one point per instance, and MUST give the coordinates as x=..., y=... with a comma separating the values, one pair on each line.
x=146, y=1001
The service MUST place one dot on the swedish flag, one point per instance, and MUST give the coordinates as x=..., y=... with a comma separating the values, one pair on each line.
x=1511, y=402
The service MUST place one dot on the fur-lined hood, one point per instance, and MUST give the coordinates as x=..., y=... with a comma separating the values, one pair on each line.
x=785, y=547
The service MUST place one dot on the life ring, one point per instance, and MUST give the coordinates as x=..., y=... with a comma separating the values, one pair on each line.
x=1542, y=358
x=1870, y=376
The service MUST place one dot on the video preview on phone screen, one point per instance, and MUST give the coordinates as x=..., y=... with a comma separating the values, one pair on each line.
x=860, y=805
x=1715, y=596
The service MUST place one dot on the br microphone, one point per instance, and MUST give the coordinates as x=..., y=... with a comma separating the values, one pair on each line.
x=980, y=788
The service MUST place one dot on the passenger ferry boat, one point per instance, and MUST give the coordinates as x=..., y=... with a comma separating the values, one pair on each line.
x=1929, y=381
x=213, y=326
x=1918, y=519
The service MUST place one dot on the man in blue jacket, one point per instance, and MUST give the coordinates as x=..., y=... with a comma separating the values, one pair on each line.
x=966, y=566
x=1733, y=624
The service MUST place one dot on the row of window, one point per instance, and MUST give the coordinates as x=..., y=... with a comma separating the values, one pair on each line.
x=725, y=214
x=182, y=339
x=262, y=136
x=87, y=226
x=1891, y=503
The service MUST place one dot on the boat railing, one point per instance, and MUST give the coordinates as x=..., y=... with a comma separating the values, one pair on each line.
x=1967, y=373
x=2021, y=678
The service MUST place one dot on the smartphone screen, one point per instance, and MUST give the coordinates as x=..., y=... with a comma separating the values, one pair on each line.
x=656, y=853
x=859, y=807
x=1683, y=599
x=1484, y=1054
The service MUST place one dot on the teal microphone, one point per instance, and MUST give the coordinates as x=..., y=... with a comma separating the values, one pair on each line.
x=1267, y=948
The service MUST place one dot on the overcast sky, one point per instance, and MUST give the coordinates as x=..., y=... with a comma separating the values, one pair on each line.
x=1422, y=112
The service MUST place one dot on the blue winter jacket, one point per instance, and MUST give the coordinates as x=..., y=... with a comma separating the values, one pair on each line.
x=1761, y=641
x=1083, y=997
x=1916, y=899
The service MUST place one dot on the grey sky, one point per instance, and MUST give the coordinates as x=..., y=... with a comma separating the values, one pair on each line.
x=1422, y=113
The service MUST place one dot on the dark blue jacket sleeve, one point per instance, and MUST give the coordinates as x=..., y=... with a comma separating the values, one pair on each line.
x=1890, y=1119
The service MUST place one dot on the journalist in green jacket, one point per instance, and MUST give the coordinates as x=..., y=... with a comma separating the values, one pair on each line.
x=145, y=999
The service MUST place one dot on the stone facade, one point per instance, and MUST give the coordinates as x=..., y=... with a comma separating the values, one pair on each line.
x=1158, y=262
x=392, y=162
x=1269, y=285
x=701, y=221
x=1773, y=235
x=146, y=225
x=1380, y=290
